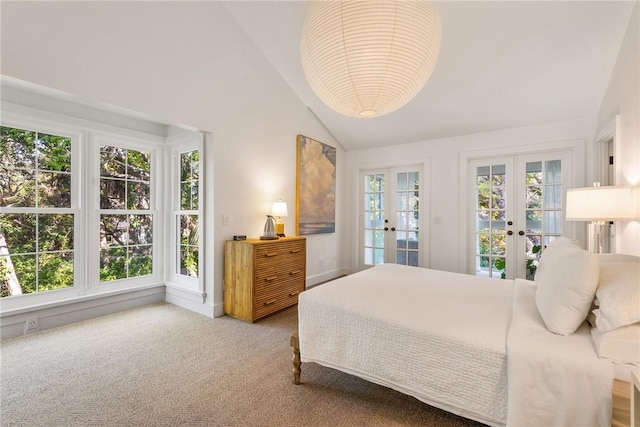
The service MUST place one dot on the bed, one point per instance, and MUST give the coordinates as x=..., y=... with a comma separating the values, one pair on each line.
x=501, y=352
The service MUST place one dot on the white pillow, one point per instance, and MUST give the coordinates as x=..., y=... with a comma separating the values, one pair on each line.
x=618, y=295
x=567, y=277
x=621, y=345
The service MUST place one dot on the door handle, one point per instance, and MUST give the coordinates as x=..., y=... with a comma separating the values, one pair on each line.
x=386, y=229
x=521, y=233
x=510, y=232
x=393, y=229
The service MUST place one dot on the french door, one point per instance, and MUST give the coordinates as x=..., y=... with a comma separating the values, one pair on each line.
x=390, y=214
x=518, y=208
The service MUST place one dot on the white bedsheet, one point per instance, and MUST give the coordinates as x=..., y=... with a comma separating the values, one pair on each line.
x=473, y=346
x=554, y=380
x=445, y=344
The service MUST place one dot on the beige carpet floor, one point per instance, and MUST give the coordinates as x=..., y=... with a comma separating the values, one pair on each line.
x=162, y=365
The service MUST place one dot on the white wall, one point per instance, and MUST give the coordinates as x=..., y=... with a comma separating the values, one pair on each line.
x=173, y=62
x=623, y=98
x=442, y=159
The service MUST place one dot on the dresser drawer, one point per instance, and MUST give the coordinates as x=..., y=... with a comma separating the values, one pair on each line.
x=280, y=253
x=278, y=292
x=272, y=302
x=267, y=277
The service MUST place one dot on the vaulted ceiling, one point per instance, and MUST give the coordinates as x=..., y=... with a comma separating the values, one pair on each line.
x=502, y=64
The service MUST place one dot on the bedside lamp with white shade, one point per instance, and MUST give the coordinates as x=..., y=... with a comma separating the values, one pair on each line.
x=599, y=205
x=279, y=210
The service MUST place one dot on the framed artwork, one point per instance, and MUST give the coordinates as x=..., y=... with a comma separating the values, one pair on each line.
x=316, y=187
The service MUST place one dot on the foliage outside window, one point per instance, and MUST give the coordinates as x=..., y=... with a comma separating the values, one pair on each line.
x=491, y=218
x=374, y=203
x=543, y=206
x=126, y=222
x=407, y=213
x=36, y=219
x=543, y=214
x=188, y=228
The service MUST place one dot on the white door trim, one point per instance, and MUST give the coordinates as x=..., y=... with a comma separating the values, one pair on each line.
x=575, y=146
x=424, y=208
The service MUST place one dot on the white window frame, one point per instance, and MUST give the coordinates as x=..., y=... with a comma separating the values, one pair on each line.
x=97, y=139
x=177, y=145
x=76, y=135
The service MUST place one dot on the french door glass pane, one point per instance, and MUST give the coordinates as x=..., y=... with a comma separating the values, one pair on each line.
x=553, y=197
x=374, y=183
x=373, y=256
x=543, y=209
x=553, y=172
x=378, y=240
x=374, y=201
x=552, y=222
x=407, y=215
x=374, y=205
x=490, y=220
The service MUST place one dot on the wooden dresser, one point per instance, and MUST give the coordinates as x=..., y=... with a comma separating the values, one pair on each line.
x=263, y=276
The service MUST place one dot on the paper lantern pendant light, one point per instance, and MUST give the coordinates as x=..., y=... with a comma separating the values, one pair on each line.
x=367, y=58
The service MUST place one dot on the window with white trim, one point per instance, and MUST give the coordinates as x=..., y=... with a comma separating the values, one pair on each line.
x=36, y=213
x=126, y=221
x=78, y=208
x=185, y=267
x=187, y=216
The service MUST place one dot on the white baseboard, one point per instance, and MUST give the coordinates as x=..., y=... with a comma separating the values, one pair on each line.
x=218, y=310
x=189, y=299
x=326, y=276
x=77, y=310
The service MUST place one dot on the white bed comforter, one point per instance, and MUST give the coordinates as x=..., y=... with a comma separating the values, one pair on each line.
x=443, y=337
x=395, y=326
x=554, y=380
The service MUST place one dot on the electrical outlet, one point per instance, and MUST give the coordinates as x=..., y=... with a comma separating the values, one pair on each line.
x=32, y=324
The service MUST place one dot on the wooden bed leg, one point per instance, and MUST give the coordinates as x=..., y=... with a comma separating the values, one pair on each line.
x=294, y=341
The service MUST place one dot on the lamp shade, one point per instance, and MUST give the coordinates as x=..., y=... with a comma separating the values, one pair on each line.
x=600, y=204
x=279, y=208
x=367, y=58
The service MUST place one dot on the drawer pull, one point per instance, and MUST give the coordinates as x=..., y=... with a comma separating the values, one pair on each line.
x=293, y=273
x=295, y=251
x=271, y=254
x=270, y=279
x=293, y=294
x=270, y=302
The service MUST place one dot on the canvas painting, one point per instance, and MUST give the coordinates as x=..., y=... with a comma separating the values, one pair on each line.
x=316, y=187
